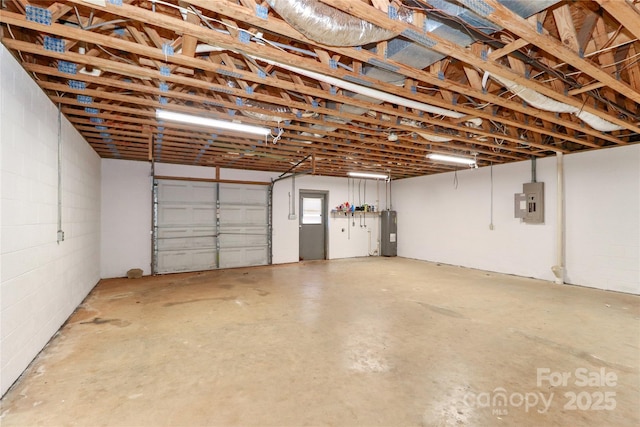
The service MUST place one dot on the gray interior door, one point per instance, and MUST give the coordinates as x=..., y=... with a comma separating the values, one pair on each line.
x=313, y=221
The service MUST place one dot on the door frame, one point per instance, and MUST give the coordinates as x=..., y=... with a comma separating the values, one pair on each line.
x=325, y=216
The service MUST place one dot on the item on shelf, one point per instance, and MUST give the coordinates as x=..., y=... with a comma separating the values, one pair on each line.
x=345, y=207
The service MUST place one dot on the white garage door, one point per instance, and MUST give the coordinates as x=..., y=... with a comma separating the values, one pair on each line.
x=186, y=226
x=193, y=235
x=243, y=225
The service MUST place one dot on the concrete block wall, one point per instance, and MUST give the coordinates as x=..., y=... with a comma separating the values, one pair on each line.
x=439, y=222
x=42, y=282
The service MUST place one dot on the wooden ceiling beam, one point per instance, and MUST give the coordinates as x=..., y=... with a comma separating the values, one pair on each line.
x=346, y=148
x=566, y=28
x=508, y=19
x=586, y=30
x=235, y=10
x=624, y=13
x=129, y=69
x=504, y=17
x=191, y=94
x=279, y=27
x=517, y=44
x=58, y=10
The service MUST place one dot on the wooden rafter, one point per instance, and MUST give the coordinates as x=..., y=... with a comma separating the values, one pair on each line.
x=217, y=71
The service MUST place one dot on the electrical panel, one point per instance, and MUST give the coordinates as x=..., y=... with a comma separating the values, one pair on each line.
x=529, y=205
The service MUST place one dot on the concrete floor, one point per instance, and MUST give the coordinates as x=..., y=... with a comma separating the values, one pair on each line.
x=371, y=341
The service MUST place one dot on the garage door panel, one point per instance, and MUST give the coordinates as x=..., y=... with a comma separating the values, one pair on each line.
x=172, y=261
x=245, y=215
x=242, y=194
x=186, y=260
x=203, y=214
x=242, y=257
x=255, y=215
x=186, y=225
x=204, y=193
x=243, y=236
x=204, y=259
x=171, y=214
x=230, y=258
x=255, y=236
x=187, y=191
x=185, y=238
x=230, y=194
x=256, y=256
x=173, y=239
x=173, y=191
x=231, y=237
x=231, y=215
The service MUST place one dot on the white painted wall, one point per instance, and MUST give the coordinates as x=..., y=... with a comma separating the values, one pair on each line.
x=603, y=218
x=345, y=239
x=126, y=202
x=126, y=217
x=42, y=282
x=438, y=222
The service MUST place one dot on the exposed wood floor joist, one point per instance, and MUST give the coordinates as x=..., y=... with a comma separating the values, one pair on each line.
x=499, y=82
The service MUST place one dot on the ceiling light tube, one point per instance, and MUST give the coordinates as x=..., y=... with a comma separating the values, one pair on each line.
x=451, y=159
x=367, y=175
x=204, y=121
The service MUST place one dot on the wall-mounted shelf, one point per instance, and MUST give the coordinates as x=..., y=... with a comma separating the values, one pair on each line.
x=347, y=214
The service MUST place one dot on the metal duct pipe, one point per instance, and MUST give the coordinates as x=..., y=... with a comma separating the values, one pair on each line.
x=270, y=113
x=330, y=26
x=559, y=269
x=543, y=102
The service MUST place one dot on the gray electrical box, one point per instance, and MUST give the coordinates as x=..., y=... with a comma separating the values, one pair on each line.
x=529, y=205
x=388, y=235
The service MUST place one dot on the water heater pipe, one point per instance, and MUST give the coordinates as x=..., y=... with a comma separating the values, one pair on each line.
x=558, y=269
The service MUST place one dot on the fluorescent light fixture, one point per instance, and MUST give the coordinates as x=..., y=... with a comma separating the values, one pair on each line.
x=204, y=121
x=451, y=159
x=367, y=175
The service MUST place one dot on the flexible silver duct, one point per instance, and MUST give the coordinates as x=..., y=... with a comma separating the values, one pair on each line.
x=331, y=26
x=312, y=18
x=543, y=102
x=270, y=114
